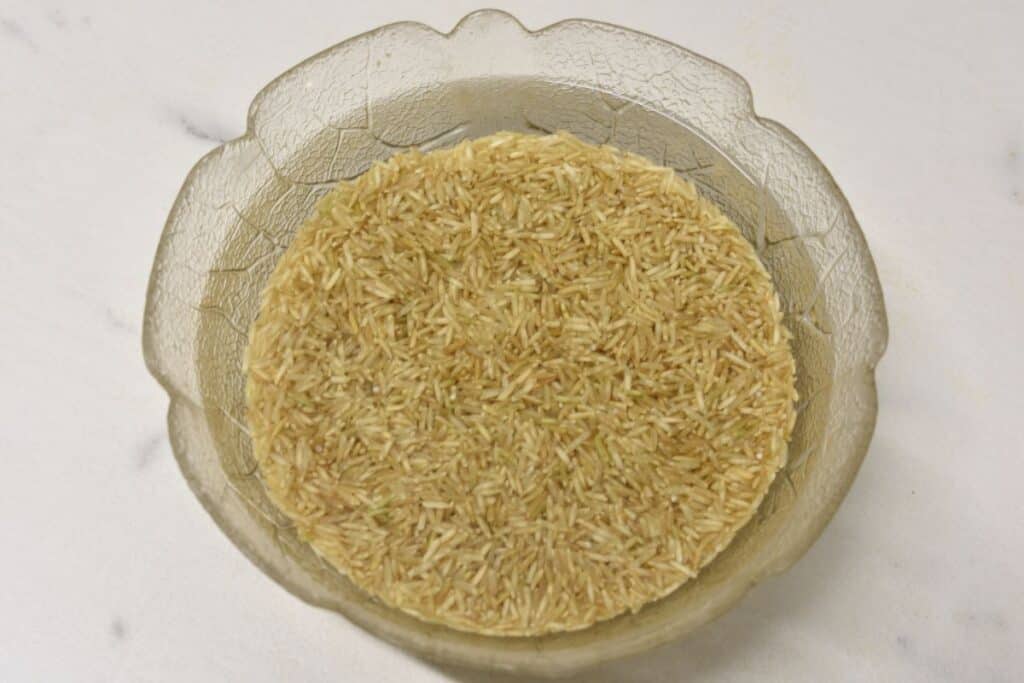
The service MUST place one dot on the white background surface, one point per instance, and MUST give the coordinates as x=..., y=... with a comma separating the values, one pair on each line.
x=111, y=571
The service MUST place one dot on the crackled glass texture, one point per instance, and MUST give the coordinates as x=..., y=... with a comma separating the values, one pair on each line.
x=403, y=85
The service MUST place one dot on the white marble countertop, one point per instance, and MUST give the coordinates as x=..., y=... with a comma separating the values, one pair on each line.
x=111, y=571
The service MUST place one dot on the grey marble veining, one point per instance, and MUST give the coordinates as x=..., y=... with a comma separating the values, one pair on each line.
x=12, y=30
x=204, y=130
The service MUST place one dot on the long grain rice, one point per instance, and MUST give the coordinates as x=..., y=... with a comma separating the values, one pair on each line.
x=521, y=385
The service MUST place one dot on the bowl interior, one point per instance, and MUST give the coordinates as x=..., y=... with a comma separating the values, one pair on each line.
x=464, y=110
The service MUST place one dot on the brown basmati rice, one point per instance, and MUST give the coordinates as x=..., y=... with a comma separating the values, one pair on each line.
x=521, y=385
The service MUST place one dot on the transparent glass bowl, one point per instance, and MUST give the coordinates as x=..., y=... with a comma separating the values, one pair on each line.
x=406, y=84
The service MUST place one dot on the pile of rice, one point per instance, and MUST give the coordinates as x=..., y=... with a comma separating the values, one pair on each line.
x=521, y=385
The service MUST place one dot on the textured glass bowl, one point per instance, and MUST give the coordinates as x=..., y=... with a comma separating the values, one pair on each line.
x=406, y=84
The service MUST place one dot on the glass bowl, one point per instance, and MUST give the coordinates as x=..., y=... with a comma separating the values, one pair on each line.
x=406, y=84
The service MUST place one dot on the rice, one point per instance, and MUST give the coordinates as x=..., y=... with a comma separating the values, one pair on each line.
x=521, y=385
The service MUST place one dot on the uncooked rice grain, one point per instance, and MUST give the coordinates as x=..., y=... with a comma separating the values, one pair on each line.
x=521, y=385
